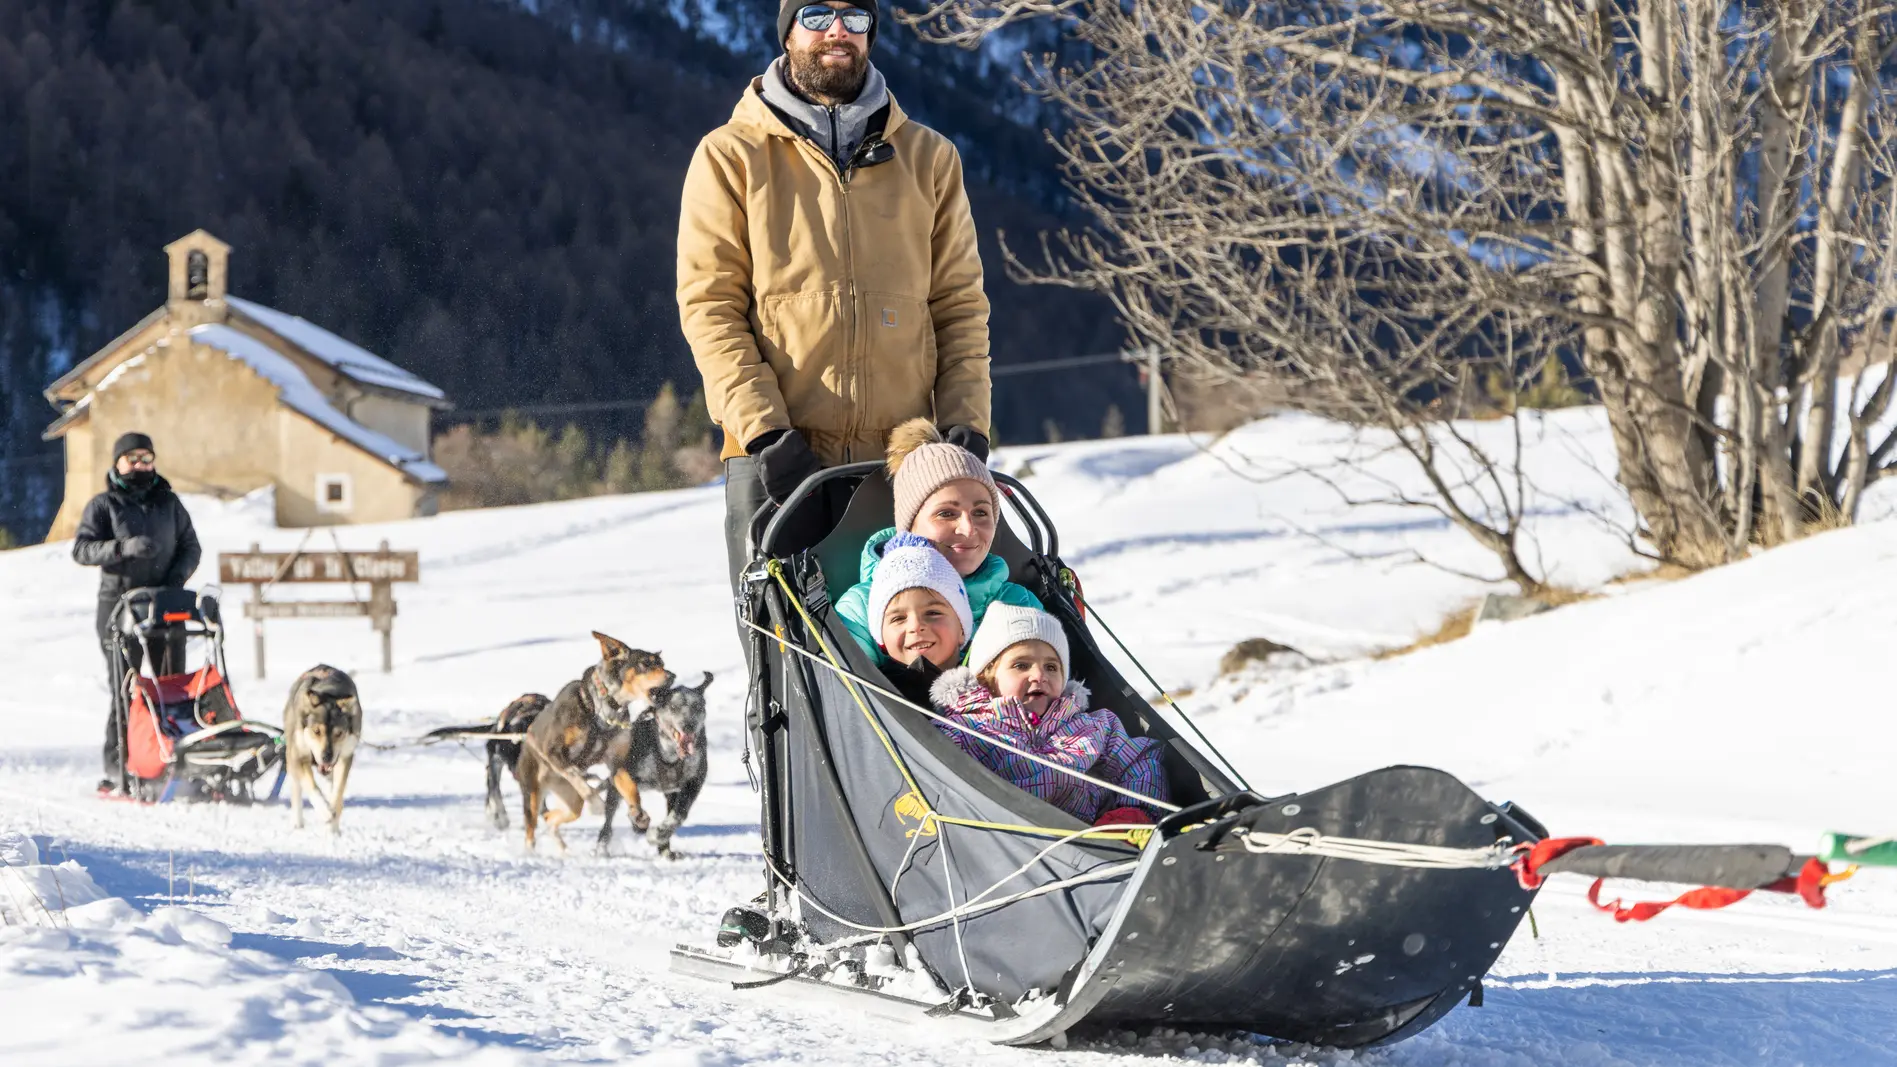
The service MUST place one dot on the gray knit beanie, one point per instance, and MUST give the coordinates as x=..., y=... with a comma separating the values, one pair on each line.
x=920, y=462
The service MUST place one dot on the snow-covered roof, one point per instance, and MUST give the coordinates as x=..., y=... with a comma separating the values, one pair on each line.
x=66, y=418
x=296, y=391
x=351, y=359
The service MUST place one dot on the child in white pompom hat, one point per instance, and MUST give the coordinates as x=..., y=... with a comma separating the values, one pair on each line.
x=921, y=611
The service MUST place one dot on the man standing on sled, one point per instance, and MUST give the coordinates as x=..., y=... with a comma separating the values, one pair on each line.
x=139, y=535
x=828, y=278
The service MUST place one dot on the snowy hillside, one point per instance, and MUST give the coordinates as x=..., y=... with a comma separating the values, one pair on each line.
x=1738, y=705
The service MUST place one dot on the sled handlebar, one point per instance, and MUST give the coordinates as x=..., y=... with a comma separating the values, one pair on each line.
x=1042, y=538
x=150, y=606
x=777, y=513
x=1728, y=866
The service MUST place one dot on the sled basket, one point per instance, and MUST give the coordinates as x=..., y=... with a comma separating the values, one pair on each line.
x=183, y=730
x=877, y=827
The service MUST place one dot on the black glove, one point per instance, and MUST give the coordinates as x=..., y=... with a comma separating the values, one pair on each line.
x=783, y=465
x=140, y=547
x=970, y=438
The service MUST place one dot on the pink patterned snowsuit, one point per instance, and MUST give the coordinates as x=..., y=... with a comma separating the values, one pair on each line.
x=1092, y=742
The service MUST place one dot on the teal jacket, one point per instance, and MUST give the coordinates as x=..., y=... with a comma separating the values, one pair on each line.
x=988, y=584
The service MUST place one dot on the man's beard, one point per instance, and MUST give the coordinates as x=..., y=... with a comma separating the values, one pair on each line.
x=810, y=75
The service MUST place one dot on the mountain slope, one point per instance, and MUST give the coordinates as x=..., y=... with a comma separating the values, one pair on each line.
x=474, y=191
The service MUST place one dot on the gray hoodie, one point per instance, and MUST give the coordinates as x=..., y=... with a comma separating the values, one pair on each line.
x=837, y=130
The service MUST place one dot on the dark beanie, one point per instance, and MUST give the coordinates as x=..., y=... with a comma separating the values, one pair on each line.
x=787, y=15
x=130, y=442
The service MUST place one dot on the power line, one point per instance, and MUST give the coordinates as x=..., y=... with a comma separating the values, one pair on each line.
x=547, y=409
x=1057, y=364
x=577, y=407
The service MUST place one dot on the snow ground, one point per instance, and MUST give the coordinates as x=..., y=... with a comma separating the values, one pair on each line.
x=1739, y=705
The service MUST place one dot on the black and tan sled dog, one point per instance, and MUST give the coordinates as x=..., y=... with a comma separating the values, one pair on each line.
x=502, y=754
x=589, y=724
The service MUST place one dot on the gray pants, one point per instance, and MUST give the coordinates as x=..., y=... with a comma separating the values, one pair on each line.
x=744, y=494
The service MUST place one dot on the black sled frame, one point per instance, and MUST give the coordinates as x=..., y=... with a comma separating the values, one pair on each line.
x=877, y=829
x=221, y=762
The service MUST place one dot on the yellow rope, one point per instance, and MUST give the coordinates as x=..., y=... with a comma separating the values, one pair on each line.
x=810, y=625
x=1134, y=835
x=1831, y=879
x=1137, y=836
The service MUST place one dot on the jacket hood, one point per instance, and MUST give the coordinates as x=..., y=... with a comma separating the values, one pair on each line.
x=752, y=111
x=958, y=680
x=840, y=130
x=982, y=586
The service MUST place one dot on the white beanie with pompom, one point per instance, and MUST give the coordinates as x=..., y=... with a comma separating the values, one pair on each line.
x=911, y=561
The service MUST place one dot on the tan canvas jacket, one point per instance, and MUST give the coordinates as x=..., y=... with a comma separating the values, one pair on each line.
x=838, y=306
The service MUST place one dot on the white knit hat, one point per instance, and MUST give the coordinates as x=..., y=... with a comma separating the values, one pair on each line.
x=911, y=561
x=1007, y=625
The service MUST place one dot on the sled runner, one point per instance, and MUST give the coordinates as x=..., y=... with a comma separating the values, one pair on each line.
x=898, y=866
x=184, y=736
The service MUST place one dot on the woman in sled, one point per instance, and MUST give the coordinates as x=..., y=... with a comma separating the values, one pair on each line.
x=945, y=494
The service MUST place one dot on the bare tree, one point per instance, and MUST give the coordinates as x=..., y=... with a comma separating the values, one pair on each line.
x=1691, y=199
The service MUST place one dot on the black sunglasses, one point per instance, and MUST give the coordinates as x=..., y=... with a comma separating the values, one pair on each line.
x=817, y=18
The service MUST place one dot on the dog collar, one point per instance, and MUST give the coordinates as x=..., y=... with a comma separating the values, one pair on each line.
x=614, y=714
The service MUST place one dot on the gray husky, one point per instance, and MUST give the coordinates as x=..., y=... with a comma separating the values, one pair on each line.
x=322, y=724
x=666, y=755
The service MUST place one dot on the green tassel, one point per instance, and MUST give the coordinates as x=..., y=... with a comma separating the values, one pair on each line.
x=1852, y=848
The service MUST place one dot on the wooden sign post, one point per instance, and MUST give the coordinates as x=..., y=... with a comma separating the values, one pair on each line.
x=380, y=569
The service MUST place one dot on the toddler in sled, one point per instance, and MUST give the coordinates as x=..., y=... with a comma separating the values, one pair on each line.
x=922, y=613
x=1015, y=688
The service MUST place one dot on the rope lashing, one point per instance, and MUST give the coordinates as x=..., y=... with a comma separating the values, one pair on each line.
x=1306, y=841
x=974, y=906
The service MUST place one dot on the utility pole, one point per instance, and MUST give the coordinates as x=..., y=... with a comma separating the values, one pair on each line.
x=1155, y=413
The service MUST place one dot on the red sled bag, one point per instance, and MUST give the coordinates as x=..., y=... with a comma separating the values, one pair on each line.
x=169, y=707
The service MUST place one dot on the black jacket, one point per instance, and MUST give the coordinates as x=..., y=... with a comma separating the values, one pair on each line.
x=118, y=514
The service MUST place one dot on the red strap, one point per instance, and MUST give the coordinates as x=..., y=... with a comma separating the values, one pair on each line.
x=1528, y=865
x=1079, y=596
x=1808, y=885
